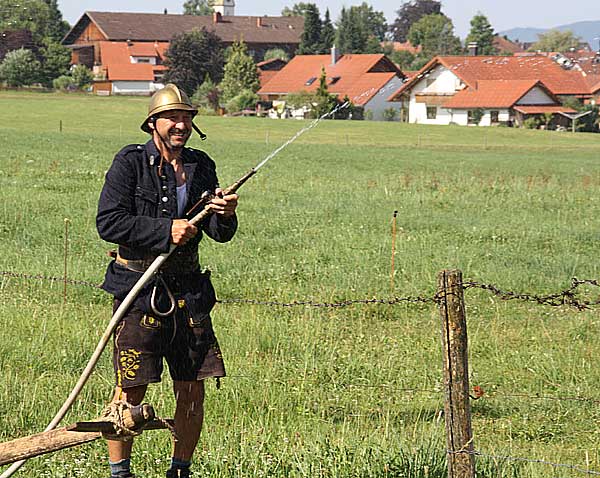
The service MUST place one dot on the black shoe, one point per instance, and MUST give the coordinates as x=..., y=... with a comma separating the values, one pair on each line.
x=178, y=473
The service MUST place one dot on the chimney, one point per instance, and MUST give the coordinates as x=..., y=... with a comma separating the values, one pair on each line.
x=165, y=11
x=335, y=56
x=259, y=22
x=217, y=17
x=473, y=48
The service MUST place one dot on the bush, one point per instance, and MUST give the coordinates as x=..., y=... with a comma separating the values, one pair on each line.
x=247, y=99
x=82, y=76
x=276, y=53
x=20, y=68
x=531, y=123
x=64, y=83
x=390, y=114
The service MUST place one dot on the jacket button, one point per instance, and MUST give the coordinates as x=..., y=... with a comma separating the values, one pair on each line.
x=164, y=211
x=164, y=188
x=165, y=199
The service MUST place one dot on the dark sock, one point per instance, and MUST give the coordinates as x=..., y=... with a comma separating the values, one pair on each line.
x=177, y=464
x=120, y=469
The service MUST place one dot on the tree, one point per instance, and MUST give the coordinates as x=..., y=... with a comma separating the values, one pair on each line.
x=296, y=11
x=207, y=95
x=240, y=72
x=198, y=7
x=244, y=100
x=482, y=33
x=310, y=41
x=19, y=68
x=327, y=33
x=351, y=36
x=56, y=60
x=56, y=27
x=373, y=23
x=32, y=15
x=555, y=40
x=82, y=76
x=410, y=13
x=435, y=34
x=360, y=30
x=276, y=53
x=193, y=55
x=403, y=58
x=325, y=102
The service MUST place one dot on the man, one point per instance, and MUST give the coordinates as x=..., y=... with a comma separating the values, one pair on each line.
x=150, y=192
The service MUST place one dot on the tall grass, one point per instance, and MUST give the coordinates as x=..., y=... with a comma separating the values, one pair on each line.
x=319, y=391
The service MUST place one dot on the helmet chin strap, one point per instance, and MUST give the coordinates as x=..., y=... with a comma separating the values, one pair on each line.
x=197, y=130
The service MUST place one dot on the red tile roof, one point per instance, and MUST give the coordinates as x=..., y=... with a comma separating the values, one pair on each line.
x=116, y=58
x=399, y=46
x=506, y=46
x=541, y=109
x=495, y=94
x=471, y=69
x=130, y=72
x=359, y=77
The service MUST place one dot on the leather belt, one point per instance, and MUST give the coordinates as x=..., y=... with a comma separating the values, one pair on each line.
x=175, y=264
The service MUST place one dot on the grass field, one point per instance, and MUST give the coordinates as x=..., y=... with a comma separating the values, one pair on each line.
x=327, y=392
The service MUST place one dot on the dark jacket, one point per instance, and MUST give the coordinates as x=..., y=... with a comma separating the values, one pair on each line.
x=137, y=207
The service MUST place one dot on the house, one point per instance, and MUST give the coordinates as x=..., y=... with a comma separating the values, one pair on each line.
x=366, y=80
x=269, y=68
x=487, y=90
x=91, y=34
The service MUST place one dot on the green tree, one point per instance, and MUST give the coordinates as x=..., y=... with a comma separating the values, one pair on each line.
x=411, y=12
x=351, y=36
x=82, y=76
x=276, y=53
x=372, y=22
x=56, y=27
x=56, y=60
x=555, y=40
x=327, y=33
x=435, y=34
x=19, y=68
x=296, y=11
x=207, y=94
x=244, y=100
x=240, y=72
x=482, y=32
x=32, y=15
x=193, y=55
x=325, y=102
x=310, y=41
x=403, y=59
x=198, y=7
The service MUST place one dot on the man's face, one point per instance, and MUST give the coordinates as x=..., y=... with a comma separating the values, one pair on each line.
x=174, y=127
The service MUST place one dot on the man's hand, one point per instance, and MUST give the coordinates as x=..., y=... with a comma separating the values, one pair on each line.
x=223, y=205
x=182, y=231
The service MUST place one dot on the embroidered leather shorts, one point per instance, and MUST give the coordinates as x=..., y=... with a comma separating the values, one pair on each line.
x=141, y=342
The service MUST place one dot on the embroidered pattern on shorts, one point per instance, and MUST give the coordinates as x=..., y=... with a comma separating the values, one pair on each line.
x=149, y=322
x=129, y=363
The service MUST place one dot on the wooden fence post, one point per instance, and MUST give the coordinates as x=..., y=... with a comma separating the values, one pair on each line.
x=457, y=408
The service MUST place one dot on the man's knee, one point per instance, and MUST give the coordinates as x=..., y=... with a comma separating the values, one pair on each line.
x=131, y=395
x=190, y=397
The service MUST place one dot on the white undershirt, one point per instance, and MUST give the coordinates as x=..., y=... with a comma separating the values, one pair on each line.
x=181, y=199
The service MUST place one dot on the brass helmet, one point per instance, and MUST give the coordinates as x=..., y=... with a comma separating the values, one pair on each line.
x=167, y=99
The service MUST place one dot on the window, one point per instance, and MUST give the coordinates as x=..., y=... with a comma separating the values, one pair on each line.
x=431, y=112
x=143, y=60
x=495, y=116
x=334, y=79
x=310, y=81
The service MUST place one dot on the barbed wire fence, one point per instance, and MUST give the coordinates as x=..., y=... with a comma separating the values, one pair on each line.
x=569, y=297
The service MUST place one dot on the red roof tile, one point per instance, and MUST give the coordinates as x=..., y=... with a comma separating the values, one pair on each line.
x=471, y=69
x=494, y=94
x=359, y=77
x=130, y=72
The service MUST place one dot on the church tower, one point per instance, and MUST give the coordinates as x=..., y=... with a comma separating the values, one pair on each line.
x=224, y=7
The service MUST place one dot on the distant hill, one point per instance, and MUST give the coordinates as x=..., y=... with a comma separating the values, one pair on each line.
x=588, y=31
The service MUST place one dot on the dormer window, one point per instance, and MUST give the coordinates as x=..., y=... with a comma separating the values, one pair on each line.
x=310, y=81
x=334, y=79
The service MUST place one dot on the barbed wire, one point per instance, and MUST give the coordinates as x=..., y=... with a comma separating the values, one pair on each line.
x=567, y=297
x=526, y=460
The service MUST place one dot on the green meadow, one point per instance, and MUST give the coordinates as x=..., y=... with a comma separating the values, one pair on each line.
x=313, y=391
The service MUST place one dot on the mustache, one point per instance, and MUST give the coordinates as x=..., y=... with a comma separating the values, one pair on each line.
x=179, y=131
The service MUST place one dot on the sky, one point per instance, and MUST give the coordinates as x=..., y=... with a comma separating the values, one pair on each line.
x=502, y=14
